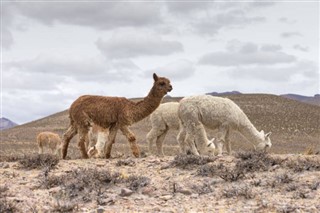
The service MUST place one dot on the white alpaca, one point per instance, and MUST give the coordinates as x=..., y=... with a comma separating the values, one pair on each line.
x=164, y=118
x=219, y=113
x=49, y=140
x=96, y=143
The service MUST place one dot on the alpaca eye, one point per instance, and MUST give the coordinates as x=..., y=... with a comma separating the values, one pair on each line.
x=162, y=83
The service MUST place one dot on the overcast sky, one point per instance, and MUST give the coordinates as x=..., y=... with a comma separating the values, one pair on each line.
x=53, y=52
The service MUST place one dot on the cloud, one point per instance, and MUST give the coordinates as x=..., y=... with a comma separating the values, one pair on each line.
x=177, y=70
x=133, y=44
x=239, y=53
x=186, y=7
x=7, y=39
x=230, y=19
x=6, y=22
x=286, y=20
x=47, y=72
x=290, y=34
x=301, y=48
x=100, y=15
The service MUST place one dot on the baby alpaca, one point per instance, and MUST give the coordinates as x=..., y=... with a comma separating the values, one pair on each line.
x=112, y=113
x=164, y=118
x=49, y=140
x=219, y=113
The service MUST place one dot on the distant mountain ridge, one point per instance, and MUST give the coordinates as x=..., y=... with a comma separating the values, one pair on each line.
x=315, y=100
x=224, y=93
x=5, y=123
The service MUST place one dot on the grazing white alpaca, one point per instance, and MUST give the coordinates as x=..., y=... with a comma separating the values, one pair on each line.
x=164, y=118
x=98, y=137
x=195, y=112
x=50, y=140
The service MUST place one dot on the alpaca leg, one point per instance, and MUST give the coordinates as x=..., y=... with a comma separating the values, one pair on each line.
x=86, y=142
x=111, y=139
x=223, y=132
x=159, y=143
x=181, y=140
x=152, y=138
x=40, y=150
x=132, y=140
x=186, y=141
x=67, y=136
x=201, y=138
x=189, y=141
x=83, y=134
x=227, y=142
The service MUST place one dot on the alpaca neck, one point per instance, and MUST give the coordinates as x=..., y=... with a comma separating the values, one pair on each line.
x=250, y=132
x=145, y=107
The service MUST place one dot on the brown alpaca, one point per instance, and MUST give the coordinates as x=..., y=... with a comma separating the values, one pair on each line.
x=112, y=113
x=49, y=140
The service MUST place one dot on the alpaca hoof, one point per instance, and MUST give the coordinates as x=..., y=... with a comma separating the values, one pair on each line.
x=132, y=139
x=85, y=156
x=136, y=154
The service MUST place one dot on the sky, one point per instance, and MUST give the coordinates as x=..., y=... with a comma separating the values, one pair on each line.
x=52, y=52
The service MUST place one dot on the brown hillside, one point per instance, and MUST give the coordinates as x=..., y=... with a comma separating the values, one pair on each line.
x=295, y=127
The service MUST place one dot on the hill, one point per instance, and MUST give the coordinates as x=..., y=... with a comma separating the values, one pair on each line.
x=224, y=93
x=295, y=127
x=281, y=181
x=307, y=99
x=5, y=123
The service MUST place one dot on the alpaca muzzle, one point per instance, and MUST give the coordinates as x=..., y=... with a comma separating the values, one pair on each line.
x=170, y=88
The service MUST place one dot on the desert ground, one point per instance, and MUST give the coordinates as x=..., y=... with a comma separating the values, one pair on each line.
x=286, y=179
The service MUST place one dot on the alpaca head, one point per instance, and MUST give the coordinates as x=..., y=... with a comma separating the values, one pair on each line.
x=93, y=152
x=265, y=142
x=161, y=85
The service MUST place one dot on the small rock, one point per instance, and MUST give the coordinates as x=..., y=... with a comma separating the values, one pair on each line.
x=4, y=165
x=194, y=196
x=100, y=210
x=273, y=168
x=156, y=209
x=147, y=190
x=126, y=192
x=166, y=197
x=185, y=191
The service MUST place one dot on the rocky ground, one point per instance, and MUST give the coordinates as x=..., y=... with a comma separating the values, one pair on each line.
x=246, y=182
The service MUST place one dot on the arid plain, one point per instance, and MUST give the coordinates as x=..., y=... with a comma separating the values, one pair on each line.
x=284, y=180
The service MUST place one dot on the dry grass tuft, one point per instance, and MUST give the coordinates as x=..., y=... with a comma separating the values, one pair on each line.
x=126, y=162
x=303, y=165
x=89, y=184
x=6, y=205
x=39, y=161
x=9, y=158
x=63, y=206
x=186, y=161
x=239, y=191
x=136, y=182
x=204, y=188
x=253, y=161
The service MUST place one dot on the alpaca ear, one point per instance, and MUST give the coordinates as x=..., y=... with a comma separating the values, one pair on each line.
x=268, y=134
x=155, y=77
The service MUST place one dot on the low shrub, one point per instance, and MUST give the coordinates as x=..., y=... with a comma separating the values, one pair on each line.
x=239, y=191
x=39, y=161
x=185, y=161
